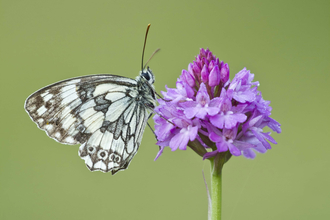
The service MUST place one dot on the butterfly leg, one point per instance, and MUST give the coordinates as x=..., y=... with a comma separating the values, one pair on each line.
x=151, y=108
x=151, y=127
x=163, y=117
x=153, y=132
x=162, y=97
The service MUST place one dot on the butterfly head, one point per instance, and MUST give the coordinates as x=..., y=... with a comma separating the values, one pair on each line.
x=148, y=75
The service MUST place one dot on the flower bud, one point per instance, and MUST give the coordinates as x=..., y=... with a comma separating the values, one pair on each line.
x=190, y=69
x=198, y=59
x=217, y=62
x=214, y=77
x=202, y=52
x=224, y=73
x=188, y=78
x=205, y=61
x=205, y=74
x=221, y=64
x=210, y=56
x=196, y=69
x=211, y=65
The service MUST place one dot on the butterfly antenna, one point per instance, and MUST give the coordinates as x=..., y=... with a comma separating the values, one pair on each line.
x=144, y=45
x=151, y=57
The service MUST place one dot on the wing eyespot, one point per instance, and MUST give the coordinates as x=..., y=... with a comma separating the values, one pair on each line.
x=102, y=154
x=115, y=158
x=91, y=150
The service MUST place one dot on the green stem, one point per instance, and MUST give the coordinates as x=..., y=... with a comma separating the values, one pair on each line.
x=216, y=171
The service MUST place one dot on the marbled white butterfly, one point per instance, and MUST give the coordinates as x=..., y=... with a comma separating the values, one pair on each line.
x=106, y=114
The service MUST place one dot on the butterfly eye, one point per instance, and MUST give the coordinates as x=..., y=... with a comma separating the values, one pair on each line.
x=146, y=75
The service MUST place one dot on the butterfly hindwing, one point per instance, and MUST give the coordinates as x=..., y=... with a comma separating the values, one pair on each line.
x=117, y=142
x=99, y=112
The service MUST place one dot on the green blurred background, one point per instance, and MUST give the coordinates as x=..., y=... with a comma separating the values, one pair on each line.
x=285, y=43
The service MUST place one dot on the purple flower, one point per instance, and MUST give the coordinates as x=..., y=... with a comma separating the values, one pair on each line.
x=241, y=86
x=181, y=93
x=180, y=140
x=227, y=118
x=202, y=106
x=206, y=111
x=226, y=140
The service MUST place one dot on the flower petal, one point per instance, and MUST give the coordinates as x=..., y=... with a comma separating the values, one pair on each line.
x=202, y=96
x=201, y=112
x=188, y=78
x=248, y=153
x=232, y=119
x=222, y=146
x=215, y=102
x=163, y=133
x=210, y=154
x=217, y=120
x=193, y=131
x=190, y=112
x=242, y=145
x=179, y=141
x=212, y=110
x=260, y=137
x=268, y=137
x=214, y=137
x=234, y=150
x=161, y=149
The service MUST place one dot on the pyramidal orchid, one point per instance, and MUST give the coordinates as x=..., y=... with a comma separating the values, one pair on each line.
x=214, y=116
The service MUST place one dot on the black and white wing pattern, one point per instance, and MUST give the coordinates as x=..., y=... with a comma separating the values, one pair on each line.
x=106, y=114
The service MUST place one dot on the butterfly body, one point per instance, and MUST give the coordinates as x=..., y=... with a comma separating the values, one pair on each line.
x=106, y=114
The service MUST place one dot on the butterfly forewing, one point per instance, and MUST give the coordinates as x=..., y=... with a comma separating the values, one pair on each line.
x=106, y=114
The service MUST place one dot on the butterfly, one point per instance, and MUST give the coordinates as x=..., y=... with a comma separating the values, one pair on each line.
x=106, y=114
